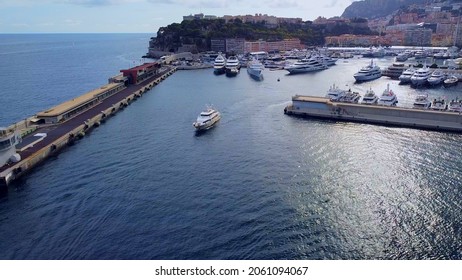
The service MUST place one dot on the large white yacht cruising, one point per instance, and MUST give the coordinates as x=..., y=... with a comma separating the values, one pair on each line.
x=255, y=69
x=421, y=102
x=406, y=76
x=370, y=97
x=368, y=73
x=232, y=66
x=207, y=119
x=8, y=141
x=388, y=97
x=219, y=64
x=305, y=65
x=421, y=76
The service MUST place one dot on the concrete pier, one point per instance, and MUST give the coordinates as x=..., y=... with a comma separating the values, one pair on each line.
x=63, y=133
x=321, y=107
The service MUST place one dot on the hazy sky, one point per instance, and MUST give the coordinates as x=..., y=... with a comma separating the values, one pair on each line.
x=143, y=16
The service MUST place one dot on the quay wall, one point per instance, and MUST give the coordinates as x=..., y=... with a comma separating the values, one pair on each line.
x=414, y=118
x=24, y=166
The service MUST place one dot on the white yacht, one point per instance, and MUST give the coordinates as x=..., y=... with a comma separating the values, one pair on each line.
x=388, y=98
x=395, y=70
x=8, y=141
x=455, y=106
x=255, y=69
x=232, y=66
x=370, y=97
x=421, y=102
x=439, y=104
x=323, y=59
x=451, y=81
x=219, y=64
x=305, y=65
x=406, y=76
x=207, y=119
x=368, y=73
x=335, y=93
x=436, y=78
x=421, y=76
x=350, y=97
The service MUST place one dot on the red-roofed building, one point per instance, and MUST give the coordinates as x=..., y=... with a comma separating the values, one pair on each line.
x=140, y=73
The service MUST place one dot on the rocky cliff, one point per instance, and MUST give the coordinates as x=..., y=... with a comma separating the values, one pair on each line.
x=377, y=8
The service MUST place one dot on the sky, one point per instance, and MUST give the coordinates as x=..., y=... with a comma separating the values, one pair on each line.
x=143, y=16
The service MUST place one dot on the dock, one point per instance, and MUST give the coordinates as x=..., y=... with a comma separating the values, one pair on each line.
x=324, y=108
x=48, y=132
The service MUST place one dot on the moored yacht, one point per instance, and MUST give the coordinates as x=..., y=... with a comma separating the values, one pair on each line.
x=368, y=73
x=406, y=76
x=370, y=97
x=421, y=76
x=232, y=66
x=207, y=119
x=436, y=78
x=219, y=64
x=439, y=104
x=255, y=68
x=8, y=141
x=350, y=97
x=335, y=93
x=421, y=102
x=455, y=106
x=451, y=81
x=395, y=70
x=323, y=59
x=388, y=97
x=305, y=65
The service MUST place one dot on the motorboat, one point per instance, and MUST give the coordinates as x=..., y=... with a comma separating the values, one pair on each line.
x=421, y=102
x=370, y=97
x=451, y=81
x=406, y=76
x=421, y=76
x=207, y=119
x=368, y=73
x=395, y=70
x=350, y=97
x=401, y=57
x=255, y=68
x=439, y=104
x=219, y=64
x=335, y=93
x=8, y=141
x=455, y=106
x=436, y=78
x=305, y=65
x=388, y=97
x=232, y=66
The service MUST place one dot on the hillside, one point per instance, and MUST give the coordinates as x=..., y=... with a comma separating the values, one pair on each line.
x=377, y=8
x=200, y=32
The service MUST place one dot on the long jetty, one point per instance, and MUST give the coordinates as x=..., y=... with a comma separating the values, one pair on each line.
x=321, y=107
x=47, y=133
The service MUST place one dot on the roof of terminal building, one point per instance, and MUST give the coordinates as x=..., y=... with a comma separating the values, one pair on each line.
x=71, y=104
x=141, y=67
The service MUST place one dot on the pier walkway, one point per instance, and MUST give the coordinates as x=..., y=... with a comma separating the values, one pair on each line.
x=66, y=131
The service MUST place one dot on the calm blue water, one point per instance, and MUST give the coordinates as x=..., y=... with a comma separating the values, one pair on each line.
x=260, y=185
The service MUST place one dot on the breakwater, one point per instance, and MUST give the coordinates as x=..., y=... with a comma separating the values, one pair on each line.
x=57, y=132
x=321, y=107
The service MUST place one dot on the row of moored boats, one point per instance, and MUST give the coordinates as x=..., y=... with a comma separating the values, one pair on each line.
x=389, y=98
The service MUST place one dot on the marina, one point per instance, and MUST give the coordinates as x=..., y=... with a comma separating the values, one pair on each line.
x=259, y=185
